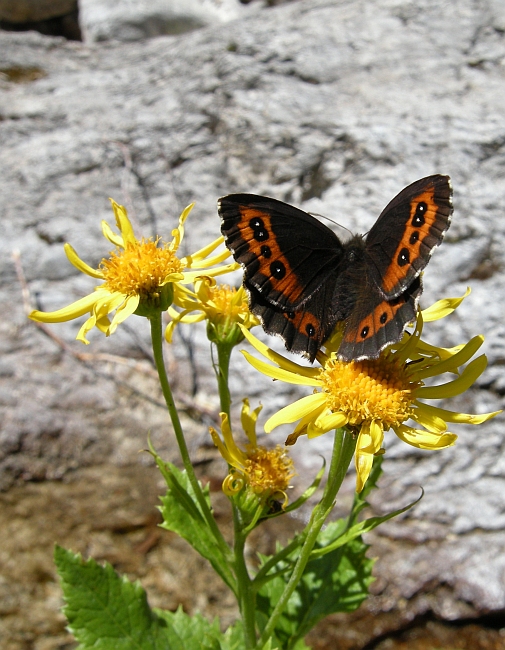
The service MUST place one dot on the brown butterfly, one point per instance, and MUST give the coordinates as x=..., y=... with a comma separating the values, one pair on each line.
x=302, y=280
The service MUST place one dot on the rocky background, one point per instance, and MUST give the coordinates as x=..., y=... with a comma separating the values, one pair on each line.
x=332, y=106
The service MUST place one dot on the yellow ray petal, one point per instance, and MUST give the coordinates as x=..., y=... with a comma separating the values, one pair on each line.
x=452, y=363
x=191, y=276
x=443, y=308
x=74, y=259
x=325, y=423
x=178, y=233
x=248, y=420
x=368, y=444
x=123, y=223
x=424, y=348
x=407, y=349
x=218, y=443
x=109, y=234
x=296, y=410
x=206, y=250
x=279, y=373
x=430, y=421
x=76, y=309
x=85, y=328
x=425, y=439
x=201, y=258
x=454, y=417
x=452, y=388
x=108, y=303
x=281, y=361
x=127, y=308
x=103, y=324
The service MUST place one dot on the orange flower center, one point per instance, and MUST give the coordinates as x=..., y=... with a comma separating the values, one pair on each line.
x=268, y=470
x=369, y=390
x=227, y=302
x=141, y=268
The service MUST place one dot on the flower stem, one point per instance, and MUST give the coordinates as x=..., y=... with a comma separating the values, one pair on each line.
x=246, y=595
x=157, y=343
x=222, y=370
x=343, y=449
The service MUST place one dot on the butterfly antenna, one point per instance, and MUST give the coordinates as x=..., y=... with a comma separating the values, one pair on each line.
x=336, y=223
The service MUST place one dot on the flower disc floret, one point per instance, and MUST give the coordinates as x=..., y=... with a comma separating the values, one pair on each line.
x=141, y=268
x=268, y=470
x=368, y=390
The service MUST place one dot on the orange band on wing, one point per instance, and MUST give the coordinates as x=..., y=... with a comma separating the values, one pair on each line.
x=423, y=215
x=256, y=230
x=368, y=327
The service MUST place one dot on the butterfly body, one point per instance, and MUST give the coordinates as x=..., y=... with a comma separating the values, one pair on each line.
x=303, y=280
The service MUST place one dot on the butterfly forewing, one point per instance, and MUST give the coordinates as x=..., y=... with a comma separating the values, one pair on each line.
x=286, y=253
x=401, y=242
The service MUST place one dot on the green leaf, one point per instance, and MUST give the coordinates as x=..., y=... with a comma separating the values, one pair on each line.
x=233, y=638
x=103, y=610
x=362, y=527
x=335, y=582
x=182, y=515
x=107, y=612
x=185, y=632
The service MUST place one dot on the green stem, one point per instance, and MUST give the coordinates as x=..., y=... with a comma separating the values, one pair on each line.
x=222, y=370
x=263, y=574
x=157, y=342
x=343, y=450
x=246, y=595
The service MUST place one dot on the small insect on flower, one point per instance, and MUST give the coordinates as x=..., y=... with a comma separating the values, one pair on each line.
x=139, y=277
x=372, y=396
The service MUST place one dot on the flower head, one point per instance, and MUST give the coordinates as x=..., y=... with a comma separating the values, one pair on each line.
x=139, y=276
x=264, y=473
x=372, y=396
x=224, y=308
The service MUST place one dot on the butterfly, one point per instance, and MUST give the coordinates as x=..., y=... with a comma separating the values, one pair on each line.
x=303, y=280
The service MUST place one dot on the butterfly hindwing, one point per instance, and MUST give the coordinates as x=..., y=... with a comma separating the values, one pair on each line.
x=286, y=253
x=376, y=323
x=400, y=243
x=303, y=331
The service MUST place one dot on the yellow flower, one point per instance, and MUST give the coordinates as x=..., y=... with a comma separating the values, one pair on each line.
x=266, y=471
x=139, y=275
x=372, y=396
x=223, y=306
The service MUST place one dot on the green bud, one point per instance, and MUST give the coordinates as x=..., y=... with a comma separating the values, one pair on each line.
x=225, y=333
x=155, y=303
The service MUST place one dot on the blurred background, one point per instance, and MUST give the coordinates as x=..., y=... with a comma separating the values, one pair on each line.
x=333, y=106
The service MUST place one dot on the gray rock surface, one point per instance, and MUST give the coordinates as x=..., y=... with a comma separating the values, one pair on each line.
x=334, y=106
x=134, y=20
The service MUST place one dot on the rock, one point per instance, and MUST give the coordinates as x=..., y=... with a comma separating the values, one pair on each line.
x=331, y=106
x=129, y=20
